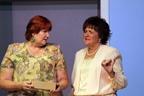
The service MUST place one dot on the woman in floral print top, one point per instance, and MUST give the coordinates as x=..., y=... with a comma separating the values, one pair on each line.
x=34, y=60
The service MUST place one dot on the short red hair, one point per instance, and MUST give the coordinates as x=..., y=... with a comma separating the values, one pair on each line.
x=36, y=24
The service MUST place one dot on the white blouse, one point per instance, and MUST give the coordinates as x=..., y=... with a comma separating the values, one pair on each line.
x=84, y=72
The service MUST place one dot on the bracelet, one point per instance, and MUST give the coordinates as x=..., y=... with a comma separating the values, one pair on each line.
x=61, y=86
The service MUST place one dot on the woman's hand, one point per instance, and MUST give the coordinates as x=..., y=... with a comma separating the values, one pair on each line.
x=108, y=66
x=26, y=86
x=59, y=88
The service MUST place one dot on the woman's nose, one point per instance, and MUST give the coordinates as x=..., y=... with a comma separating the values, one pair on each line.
x=87, y=34
x=47, y=34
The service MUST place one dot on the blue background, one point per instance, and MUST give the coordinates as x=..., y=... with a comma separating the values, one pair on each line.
x=127, y=26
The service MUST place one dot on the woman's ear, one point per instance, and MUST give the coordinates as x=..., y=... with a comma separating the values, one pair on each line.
x=33, y=34
x=101, y=37
x=99, y=40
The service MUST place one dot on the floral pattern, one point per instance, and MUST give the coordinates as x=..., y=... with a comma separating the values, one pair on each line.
x=29, y=68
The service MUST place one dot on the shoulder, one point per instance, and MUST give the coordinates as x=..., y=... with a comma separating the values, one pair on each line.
x=111, y=51
x=52, y=45
x=81, y=51
x=16, y=45
x=108, y=48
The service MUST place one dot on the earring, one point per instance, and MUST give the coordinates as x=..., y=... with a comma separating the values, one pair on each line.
x=33, y=39
x=99, y=40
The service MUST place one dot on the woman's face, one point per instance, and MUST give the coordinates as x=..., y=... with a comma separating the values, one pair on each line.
x=90, y=37
x=42, y=37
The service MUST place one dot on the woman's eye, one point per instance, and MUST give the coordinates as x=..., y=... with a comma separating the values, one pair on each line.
x=91, y=32
x=45, y=31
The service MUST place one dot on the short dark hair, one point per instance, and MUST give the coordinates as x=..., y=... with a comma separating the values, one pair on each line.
x=99, y=25
x=36, y=24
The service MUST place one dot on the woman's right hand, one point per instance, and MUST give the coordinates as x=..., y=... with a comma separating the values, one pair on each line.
x=26, y=86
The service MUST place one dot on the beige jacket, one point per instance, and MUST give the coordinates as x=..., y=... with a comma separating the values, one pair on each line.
x=99, y=83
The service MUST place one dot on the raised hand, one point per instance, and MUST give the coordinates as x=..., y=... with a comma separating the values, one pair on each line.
x=108, y=66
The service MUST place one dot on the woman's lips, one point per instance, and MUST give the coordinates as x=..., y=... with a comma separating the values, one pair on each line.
x=87, y=39
x=45, y=39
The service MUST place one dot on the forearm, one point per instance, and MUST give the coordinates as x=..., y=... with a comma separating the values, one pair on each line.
x=119, y=81
x=6, y=82
x=62, y=79
x=64, y=83
x=10, y=85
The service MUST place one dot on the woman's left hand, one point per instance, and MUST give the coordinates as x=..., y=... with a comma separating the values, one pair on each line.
x=108, y=66
x=56, y=92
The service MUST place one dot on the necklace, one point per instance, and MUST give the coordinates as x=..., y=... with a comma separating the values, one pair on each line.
x=32, y=51
x=93, y=52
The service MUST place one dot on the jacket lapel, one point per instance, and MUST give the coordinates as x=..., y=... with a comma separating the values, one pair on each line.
x=80, y=58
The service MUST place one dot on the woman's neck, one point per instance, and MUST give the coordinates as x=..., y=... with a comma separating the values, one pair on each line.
x=34, y=50
x=33, y=45
x=93, y=48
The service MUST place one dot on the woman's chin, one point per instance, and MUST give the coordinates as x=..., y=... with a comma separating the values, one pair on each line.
x=86, y=44
x=43, y=44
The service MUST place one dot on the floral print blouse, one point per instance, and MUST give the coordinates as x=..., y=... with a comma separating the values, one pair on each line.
x=29, y=68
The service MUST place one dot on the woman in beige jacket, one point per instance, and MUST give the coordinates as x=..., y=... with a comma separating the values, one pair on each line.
x=97, y=69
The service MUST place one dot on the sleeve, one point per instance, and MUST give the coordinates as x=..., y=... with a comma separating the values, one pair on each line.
x=119, y=81
x=7, y=62
x=61, y=64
